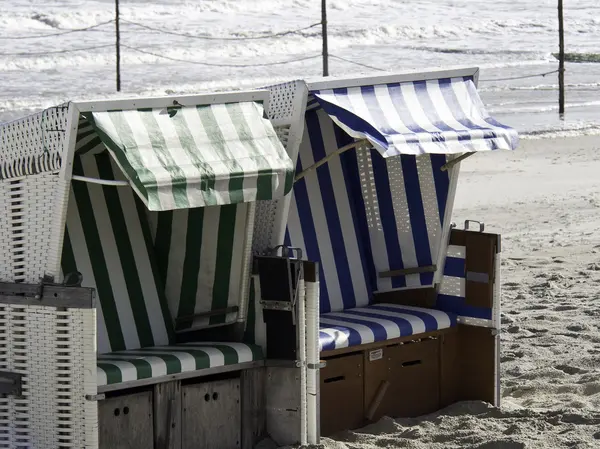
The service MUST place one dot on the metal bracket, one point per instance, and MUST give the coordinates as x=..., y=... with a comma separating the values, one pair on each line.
x=49, y=280
x=11, y=383
x=322, y=364
x=277, y=305
x=288, y=248
x=480, y=223
x=46, y=280
x=95, y=397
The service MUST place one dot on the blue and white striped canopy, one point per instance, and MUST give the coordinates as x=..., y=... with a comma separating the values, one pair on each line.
x=443, y=116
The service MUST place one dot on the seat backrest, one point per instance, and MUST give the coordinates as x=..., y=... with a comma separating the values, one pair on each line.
x=406, y=198
x=201, y=256
x=107, y=239
x=325, y=220
x=363, y=217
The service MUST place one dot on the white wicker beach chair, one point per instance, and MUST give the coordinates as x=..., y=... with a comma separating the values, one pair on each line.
x=150, y=203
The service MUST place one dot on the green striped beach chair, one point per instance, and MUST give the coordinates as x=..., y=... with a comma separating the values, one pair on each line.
x=108, y=240
x=126, y=236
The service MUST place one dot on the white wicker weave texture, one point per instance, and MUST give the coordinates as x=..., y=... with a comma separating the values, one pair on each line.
x=33, y=144
x=31, y=150
x=15, y=413
x=53, y=411
x=286, y=109
x=6, y=271
x=51, y=348
x=266, y=211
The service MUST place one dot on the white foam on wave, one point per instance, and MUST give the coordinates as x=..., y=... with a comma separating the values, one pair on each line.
x=545, y=108
x=389, y=34
x=573, y=130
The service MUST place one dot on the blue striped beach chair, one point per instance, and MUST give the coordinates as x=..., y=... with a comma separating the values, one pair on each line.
x=372, y=201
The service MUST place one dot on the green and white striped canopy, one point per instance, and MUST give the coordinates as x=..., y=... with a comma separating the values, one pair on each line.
x=192, y=156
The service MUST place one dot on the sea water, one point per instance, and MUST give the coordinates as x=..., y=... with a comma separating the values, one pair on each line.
x=507, y=38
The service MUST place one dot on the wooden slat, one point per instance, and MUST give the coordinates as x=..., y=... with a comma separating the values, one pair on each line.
x=407, y=271
x=52, y=295
x=208, y=314
x=253, y=406
x=418, y=297
x=167, y=415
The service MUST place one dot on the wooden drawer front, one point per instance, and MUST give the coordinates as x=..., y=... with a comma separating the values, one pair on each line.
x=125, y=421
x=342, y=394
x=402, y=380
x=212, y=415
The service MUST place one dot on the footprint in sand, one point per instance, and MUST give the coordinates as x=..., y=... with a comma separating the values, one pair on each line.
x=533, y=330
x=591, y=389
x=536, y=307
x=568, y=369
x=564, y=308
x=576, y=328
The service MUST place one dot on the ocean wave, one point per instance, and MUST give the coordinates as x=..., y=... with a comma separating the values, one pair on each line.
x=568, y=86
x=542, y=109
x=46, y=20
x=569, y=130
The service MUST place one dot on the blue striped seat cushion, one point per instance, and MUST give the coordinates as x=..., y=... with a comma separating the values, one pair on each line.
x=378, y=322
x=147, y=363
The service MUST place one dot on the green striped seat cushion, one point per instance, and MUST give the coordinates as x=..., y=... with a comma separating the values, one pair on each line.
x=200, y=257
x=131, y=365
x=108, y=240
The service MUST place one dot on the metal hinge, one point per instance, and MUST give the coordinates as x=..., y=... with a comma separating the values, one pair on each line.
x=322, y=364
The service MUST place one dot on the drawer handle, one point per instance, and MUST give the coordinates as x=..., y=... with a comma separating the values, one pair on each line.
x=334, y=379
x=411, y=363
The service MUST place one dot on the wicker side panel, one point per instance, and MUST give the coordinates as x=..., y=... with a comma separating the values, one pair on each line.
x=286, y=110
x=31, y=151
x=54, y=350
x=41, y=193
x=5, y=235
x=265, y=221
x=27, y=238
x=33, y=144
x=282, y=104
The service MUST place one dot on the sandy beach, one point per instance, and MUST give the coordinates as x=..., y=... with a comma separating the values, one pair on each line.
x=544, y=199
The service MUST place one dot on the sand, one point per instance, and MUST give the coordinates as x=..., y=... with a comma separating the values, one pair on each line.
x=544, y=199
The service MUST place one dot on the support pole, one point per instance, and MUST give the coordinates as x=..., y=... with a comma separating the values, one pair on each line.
x=561, y=60
x=118, y=44
x=324, y=35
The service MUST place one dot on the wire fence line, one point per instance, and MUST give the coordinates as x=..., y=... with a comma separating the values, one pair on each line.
x=358, y=63
x=56, y=52
x=256, y=36
x=209, y=64
x=534, y=75
x=61, y=33
x=227, y=38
